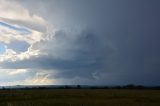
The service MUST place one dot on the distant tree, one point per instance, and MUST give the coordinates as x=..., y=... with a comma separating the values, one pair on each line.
x=78, y=86
x=3, y=88
x=130, y=86
x=118, y=87
x=140, y=87
x=67, y=87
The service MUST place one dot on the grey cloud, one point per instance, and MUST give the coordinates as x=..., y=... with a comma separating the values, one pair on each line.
x=80, y=54
x=121, y=47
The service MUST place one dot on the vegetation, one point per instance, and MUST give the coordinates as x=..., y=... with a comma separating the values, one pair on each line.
x=79, y=97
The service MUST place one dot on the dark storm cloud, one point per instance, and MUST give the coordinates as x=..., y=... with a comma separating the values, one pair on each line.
x=122, y=45
x=80, y=56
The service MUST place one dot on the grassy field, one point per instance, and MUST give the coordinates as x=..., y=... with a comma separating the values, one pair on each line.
x=79, y=97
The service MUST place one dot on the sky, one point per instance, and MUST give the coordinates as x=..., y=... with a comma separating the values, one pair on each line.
x=88, y=42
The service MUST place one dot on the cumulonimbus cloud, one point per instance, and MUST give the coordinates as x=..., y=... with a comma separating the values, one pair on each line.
x=104, y=42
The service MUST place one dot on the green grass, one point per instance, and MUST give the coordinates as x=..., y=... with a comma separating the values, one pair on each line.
x=79, y=97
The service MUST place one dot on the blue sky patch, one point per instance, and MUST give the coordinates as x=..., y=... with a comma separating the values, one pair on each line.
x=2, y=48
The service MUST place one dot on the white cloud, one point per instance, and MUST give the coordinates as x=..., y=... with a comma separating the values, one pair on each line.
x=11, y=56
x=9, y=35
x=12, y=12
x=15, y=16
x=25, y=77
x=18, y=71
x=39, y=79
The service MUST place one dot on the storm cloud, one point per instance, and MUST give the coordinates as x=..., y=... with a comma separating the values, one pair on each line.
x=104, y=42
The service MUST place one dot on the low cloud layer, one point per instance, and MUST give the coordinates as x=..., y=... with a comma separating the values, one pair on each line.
x=81, y=42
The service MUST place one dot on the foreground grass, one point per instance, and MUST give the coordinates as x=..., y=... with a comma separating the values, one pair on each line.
x=79, y=97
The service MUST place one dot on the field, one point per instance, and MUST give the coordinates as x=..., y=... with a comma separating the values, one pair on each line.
x=79, y=97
